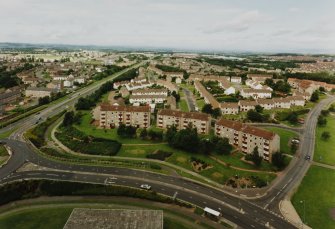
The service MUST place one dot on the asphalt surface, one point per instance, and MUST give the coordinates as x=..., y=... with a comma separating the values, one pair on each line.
x=189, y=99
x=246, y=214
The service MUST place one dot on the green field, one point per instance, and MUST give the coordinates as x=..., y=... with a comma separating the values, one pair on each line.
x=285, y=138
x=317, y=190
x=54, y=218
x=325, y=150
x=182, y=104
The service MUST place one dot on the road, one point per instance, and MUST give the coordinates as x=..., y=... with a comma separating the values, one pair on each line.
x=255, y=214
x=293, y=175
x=189, y=99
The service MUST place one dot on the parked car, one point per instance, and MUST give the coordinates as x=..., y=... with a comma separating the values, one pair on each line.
x=307, y=157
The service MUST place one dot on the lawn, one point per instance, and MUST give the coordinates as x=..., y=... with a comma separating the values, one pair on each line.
x=317, y=189
x=182, y=104
x=89, y=129
x=285, y=138
x=325, y=150
x=54, y=218
x=200, y=103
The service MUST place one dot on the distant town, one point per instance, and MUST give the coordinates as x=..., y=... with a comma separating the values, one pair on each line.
x=192, y=129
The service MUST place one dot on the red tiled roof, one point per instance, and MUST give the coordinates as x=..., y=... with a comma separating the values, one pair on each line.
x=189, y=115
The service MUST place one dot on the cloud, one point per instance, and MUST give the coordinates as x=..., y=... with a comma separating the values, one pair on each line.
x=294, y=10
x=239, y=23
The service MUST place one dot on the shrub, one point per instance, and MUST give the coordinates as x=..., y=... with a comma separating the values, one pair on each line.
x=159, y=155
x=80, y=142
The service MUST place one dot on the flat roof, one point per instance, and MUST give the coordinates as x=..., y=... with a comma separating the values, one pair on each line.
x=85, y=218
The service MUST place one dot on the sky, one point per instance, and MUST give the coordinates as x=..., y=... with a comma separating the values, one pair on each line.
x=214, y=25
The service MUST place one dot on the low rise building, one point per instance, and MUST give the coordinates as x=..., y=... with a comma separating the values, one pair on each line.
x=260, y=77
x=167, y=118
x=38, y=92
x=147, y=99
x=229, y=108
x=236, y=79
x=256, y=94
x=111, y=116
x=247, y=137
x=150, y=91
x=247, y=105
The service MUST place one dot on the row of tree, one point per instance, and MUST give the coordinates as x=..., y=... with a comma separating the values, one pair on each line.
x=188, y=140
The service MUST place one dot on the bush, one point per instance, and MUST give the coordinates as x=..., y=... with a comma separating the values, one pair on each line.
x=80, y=142
x=155, y=166
x=159, y=155
x=36, y=135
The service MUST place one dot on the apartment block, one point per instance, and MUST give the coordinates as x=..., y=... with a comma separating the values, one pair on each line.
x=113, y=116
x=247, y=137
x=167, y=118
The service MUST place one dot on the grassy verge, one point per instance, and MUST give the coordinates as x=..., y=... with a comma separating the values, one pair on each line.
x=285, y=138
x=325, y=150
x=182, y=104
x=315, y=198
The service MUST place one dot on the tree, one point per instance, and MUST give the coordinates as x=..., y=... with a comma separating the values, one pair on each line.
x=325, y=135
x=223, y=146
x=254, y=116
x=68, y=118
x=269, y=82
x=255, y=158
x=216, y=112
x=206, y=146
x=44, y=100
x=186, y=139
x=259, y=108
x=322, y=89
x=322, y=121
x=207, y=108
x=278, y=160
x=170, y=133
x=292, y=117
x=143, y=133
x=315, y=96
x=176, y=95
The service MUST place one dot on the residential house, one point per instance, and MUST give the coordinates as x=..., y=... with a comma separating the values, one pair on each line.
x=247, y=105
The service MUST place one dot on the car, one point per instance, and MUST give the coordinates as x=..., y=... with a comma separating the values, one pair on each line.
x=295, y=141
x=307, y=157
x=145, y=186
